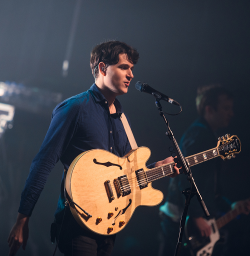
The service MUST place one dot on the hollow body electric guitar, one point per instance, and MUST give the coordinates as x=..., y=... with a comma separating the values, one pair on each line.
x=103, y=189
x=199, y=245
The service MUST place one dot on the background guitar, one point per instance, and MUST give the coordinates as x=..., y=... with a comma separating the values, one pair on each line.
x=204, y=245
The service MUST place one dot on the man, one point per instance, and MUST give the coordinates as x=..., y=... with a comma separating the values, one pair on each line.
x=86, y=121
x=215, y=109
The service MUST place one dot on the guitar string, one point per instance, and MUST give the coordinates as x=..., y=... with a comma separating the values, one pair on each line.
x=157, y=172
x=162, y=171
x=155, y=176
x=127, y=186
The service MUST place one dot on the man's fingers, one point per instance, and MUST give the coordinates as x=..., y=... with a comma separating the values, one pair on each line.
x=176, y=169
x=14, y=248
x=15, y=242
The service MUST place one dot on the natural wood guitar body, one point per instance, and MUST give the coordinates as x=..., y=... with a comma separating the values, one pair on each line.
x=86, y=187
x=103, y=189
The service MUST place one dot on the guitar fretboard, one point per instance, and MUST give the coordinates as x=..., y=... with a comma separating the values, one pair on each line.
x=222, y=221
x=168, y=169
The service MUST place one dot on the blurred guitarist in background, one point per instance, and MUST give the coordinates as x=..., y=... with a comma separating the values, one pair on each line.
x=89, y=120
x=215, y=108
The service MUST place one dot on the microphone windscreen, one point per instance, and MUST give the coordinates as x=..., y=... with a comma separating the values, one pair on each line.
x=139, y=86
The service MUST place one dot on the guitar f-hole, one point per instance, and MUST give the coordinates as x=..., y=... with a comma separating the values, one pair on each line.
x=122, y=211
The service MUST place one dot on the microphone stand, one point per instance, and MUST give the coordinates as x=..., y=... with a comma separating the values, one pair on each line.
x=190, y=192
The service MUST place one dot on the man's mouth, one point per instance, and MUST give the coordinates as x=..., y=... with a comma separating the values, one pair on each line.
x=127, y=84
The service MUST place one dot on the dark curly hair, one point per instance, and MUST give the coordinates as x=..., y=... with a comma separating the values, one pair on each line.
x=108, y=52
x=208, y=96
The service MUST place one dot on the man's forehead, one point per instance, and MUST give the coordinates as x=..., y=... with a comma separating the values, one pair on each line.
x=224, y=98
x=123, y=57
x=225, y=101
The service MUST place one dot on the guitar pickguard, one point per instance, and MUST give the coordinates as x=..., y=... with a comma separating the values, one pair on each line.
x=203, y=246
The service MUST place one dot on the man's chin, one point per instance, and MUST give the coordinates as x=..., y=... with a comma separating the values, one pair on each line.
x=121, y=92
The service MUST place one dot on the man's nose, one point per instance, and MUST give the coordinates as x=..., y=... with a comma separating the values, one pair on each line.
x=130, y=74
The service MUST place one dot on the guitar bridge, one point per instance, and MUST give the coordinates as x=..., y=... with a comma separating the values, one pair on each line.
x=109, y=190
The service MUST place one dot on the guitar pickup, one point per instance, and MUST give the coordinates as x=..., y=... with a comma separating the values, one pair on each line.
x=141, y=178
x=122, y=186
x=109, y=190
x=117, y=188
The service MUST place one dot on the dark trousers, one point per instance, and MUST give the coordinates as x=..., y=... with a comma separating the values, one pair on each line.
x=74, y=240
x=84, y=245
x=168, y=236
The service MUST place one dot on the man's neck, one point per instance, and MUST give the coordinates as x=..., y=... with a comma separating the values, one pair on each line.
x=109, y=95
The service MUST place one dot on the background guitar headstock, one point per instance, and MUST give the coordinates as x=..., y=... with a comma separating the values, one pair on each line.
x=228, y=146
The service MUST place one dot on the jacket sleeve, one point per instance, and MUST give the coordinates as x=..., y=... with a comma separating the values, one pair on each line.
x=61, y=129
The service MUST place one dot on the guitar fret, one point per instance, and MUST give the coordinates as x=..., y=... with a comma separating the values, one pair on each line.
x=195, y=159
x=159, y=172
x=163, y=171
x=171, y=168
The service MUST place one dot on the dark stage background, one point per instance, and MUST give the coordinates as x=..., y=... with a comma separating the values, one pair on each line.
x=182, y=45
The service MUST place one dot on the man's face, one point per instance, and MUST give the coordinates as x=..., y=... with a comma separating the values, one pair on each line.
x=119, y=76
x=224, y=112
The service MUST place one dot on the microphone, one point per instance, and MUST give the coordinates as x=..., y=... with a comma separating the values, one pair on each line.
x=143, y=87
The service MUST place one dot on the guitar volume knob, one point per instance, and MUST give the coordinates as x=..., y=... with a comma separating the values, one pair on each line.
x=110, y=229
x=110, y=214
x=98, y=220
x=121, y=223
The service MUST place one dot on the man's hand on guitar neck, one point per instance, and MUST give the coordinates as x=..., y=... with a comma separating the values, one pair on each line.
x=243, y=205
x=19, y=234
x=167, y=161
x=203, y=226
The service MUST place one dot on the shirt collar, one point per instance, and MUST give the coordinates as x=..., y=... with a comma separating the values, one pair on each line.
x=99, y=97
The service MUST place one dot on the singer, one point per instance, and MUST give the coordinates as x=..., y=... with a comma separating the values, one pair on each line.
x=89, y=120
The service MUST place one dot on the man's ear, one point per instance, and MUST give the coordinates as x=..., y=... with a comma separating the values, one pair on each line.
x=102, y=68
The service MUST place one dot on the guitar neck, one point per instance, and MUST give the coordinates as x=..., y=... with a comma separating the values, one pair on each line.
x=222, y=221
x=168, y=169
